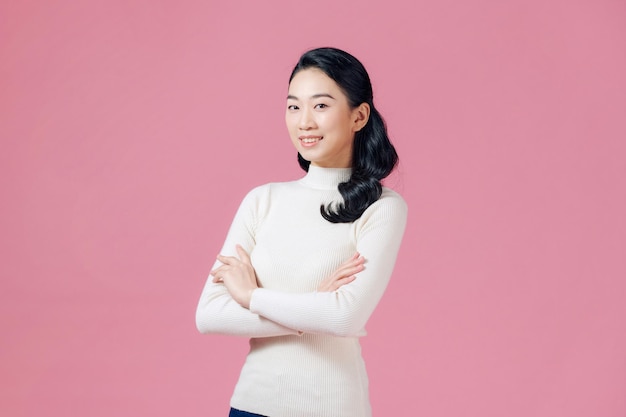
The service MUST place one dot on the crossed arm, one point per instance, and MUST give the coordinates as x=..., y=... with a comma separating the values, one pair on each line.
x=225, y=300
x=238, y=276
x=232, y=303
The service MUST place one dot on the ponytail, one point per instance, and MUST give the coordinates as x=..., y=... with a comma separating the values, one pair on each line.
x=373, y=158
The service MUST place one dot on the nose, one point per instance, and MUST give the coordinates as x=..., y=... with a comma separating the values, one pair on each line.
x=306, y=121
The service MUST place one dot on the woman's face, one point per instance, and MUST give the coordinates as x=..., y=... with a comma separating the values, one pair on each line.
x=320, y=121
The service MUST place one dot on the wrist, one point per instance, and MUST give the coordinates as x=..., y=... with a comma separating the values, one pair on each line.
x=248, y=298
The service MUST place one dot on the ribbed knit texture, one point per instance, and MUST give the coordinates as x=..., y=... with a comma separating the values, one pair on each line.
x=305, y=358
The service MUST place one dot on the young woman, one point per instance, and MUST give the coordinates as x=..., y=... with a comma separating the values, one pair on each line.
x=305, y=262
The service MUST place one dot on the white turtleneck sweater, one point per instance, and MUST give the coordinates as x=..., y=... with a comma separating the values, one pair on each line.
x=305, y=358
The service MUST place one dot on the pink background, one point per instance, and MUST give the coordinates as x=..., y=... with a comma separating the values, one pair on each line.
x=132, y=129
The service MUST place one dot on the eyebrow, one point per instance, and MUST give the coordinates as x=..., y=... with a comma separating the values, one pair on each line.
x=290, y=97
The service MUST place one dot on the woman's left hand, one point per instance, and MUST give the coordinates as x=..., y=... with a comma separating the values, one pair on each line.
x=238, y=275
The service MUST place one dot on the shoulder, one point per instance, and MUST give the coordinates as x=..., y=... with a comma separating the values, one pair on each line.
x=388, y=212
x=393, y=199
x=260, y=196
x=266, y=190
x=390, y=203
x=258, y=191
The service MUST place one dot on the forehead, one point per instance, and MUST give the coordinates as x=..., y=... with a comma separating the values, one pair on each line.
x=312, y=81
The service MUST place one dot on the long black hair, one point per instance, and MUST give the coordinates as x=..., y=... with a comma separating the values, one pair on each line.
x=373, y=155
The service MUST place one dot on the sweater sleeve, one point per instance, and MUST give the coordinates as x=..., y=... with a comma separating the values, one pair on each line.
x=217, y=312
x=344, y=312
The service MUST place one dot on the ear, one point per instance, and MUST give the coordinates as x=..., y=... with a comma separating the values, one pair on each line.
x=360, y=114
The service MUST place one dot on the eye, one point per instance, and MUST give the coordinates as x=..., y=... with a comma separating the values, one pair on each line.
x=292, y=107
x=321, y=106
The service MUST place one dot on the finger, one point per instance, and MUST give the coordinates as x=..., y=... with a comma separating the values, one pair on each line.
x=334, y=285
x=220, y=269
x=353, y=257
x=345, y=267
x=227, y=260
x=243, y=255
x=356, y=256
x=344, y=281
x=340, y=283
x=348, y=270
x=358, y=266
x=353, y=261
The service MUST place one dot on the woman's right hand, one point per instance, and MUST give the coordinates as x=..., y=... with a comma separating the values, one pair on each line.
x=343, y=275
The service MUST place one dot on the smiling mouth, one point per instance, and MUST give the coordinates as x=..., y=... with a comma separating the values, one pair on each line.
x=310, y=140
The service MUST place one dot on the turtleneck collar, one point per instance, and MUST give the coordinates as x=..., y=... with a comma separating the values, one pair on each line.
x=325, y=178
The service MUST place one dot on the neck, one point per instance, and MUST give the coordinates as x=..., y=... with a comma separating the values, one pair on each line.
x=325, y=178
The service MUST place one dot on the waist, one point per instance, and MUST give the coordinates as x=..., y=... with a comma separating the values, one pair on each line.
x=304, y=373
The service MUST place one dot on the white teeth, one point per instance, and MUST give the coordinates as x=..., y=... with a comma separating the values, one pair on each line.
x=310, y=140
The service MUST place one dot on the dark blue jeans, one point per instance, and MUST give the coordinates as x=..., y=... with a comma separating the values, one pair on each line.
x=238, y=413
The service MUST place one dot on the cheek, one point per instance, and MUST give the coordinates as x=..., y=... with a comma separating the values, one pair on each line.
x=326, y=121
x=338, y=120
x=292, y=128
x=289, y=122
